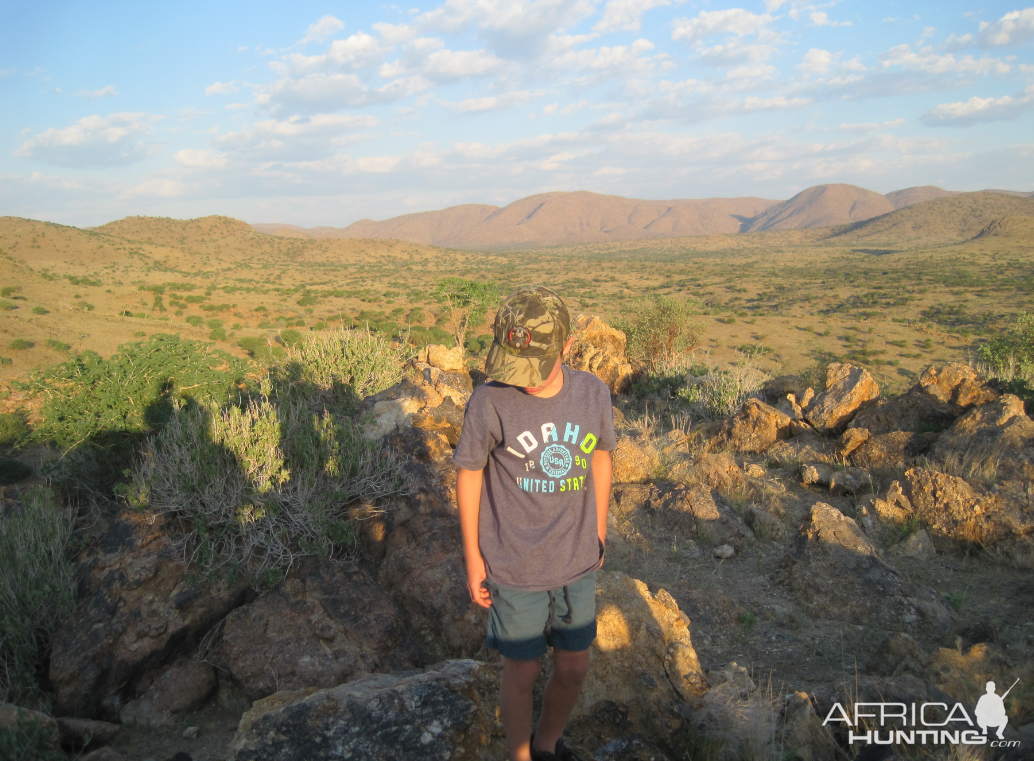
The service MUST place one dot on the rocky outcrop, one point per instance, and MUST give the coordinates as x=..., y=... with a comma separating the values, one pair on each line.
x=995, y=440
x=138, y=611
x=694, y=511
x=13, y=718
x=600, y=350
x=447, y=713
x=633, y=461
x=324, y=625
x=956, y=385
x=755, y=428
x=180, y=690
x=446, y=360
x=888, y=454
x=717, y=471
x=423, y=572
x=848, y=390
x=837, y=572
x=434, y=394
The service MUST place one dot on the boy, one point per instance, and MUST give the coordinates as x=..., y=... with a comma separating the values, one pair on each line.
x=533, y=491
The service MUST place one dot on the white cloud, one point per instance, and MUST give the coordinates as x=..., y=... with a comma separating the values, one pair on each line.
x=497, y=102
x=818, y=61
x=6, y=72
x=977, y=110
x=377, y=164
x=94, y=142
x=222, y=88
x=624, y=59
x=295, y=139
x=736, y=21
x=452, y=65
x=927, y=61
x=161, y=188
x=104, y=92
x=357, y=51
x=236, y=106
x=321, y=30
x=202, y=159
x=1014, y=28
x=870, y=126
x=818, y=18
x=624, y=14
x=321, y=93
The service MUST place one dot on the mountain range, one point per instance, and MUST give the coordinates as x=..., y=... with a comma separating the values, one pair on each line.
x=560, y=218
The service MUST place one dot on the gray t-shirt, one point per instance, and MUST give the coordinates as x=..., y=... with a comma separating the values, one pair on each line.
x=537, y=528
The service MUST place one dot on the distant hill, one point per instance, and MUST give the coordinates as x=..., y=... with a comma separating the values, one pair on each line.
x=1009, y=227
x=552, y=219
x=912, y=196
x=943, y=221
x=822, y=206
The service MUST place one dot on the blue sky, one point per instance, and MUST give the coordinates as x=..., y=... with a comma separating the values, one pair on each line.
x=318, y=113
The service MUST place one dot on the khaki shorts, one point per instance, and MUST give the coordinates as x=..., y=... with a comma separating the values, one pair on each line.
x=522, y=624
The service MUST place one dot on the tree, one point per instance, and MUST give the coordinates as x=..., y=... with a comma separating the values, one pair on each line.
x=659, y=331
x=467, y=302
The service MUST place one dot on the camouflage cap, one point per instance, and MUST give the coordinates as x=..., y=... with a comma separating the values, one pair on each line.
x=531, y=329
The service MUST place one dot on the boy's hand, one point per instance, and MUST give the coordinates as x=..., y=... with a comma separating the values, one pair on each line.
x=479, y=594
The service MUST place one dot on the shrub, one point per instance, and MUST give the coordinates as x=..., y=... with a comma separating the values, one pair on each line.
x=6, y=305
x=110, y=405
x=195, y=319
x=357, y=360
x=40, y=310
x=56, y=345
x=1010, y=355
x=21, y=343
x=218, y=334
x=13, y=471
x=215, y=323
x=290, y=337
x=258, y=485
x=5, y=361
x=28, y=740
x=38, y=587
x=13, y=430
x=660, y=331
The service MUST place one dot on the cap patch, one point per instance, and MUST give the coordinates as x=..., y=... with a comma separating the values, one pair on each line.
x=520, y=337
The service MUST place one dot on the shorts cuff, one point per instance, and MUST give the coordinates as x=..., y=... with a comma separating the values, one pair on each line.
x=519, y=650
x=575, y=640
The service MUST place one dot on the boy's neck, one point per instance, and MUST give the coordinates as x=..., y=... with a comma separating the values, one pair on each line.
x=552, y=388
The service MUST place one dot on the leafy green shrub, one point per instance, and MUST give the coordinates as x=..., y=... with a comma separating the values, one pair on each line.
x=6, y=305
x=13, y=430
x=308, y=300
x=358, y=361
x=21, y=343
x=40, y=310
x=9, y=290
x=290, y=337
x=258, y=485
x=5, y=361
x=28, y=740
x=479, y=344
x=56, y=345
x=219, y=334
x=660, y=331
x=1010, y=355
x=38, y=586
x=195, y=319
x=215, y=323
x=109, y=405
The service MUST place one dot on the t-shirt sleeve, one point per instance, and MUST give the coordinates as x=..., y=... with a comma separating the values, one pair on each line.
x=608, y=441
x=481, y=434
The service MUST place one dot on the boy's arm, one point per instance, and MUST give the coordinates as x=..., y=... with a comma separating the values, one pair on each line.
x=601, y=479
x=468, y=498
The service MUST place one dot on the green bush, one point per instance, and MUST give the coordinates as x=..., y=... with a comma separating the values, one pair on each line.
x=290, y=337
x=56, y=345
x=21, y=343
x=13, y=430
x=38, y=587
x=1010, y=355
x=219, y=334
x=9, y=290
x=40, y=310
x=195, y=319
x=215, y=323
x=358, y=361
x=108, y=406
x=6, y=305
x=13, y=471
x=660, y=331
x=5, y=361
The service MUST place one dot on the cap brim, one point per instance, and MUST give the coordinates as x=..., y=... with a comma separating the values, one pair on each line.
x=526, y=372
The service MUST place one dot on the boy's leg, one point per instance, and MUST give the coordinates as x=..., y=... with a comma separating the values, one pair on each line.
x=515, y=705
x=558, y=699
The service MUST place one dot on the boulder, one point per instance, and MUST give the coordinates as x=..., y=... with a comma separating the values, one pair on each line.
x=694, y=511
x=446, y=419
x=103, y=754
x=447, y=360
x=391, y=414
x=957, y=385
x=643, y=658
x=851, y=439
x=633, y=460
x=13, y=717
x=456, y=386
x=76, y=732
x=838, y=573
x=138, y=611
x=848, y=390
x=886, y=517
x=804, y=448
x=888, y=454
x=423, y=571
x=632, y=748
x=801, y=731
x=917, y=546
x=600, y=350
x=897, y=654
x=783, y=386
x=180, y=690
x=754, y=428
x=996, y=440
x=818, y=473
x=328, y=622
x=911, y=411
x=964, y=675
x=716, y=470
x=447, y=713
x=837, y=480
x=957, y=513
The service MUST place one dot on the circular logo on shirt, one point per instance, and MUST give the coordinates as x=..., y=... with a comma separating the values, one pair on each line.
x=555, y=461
